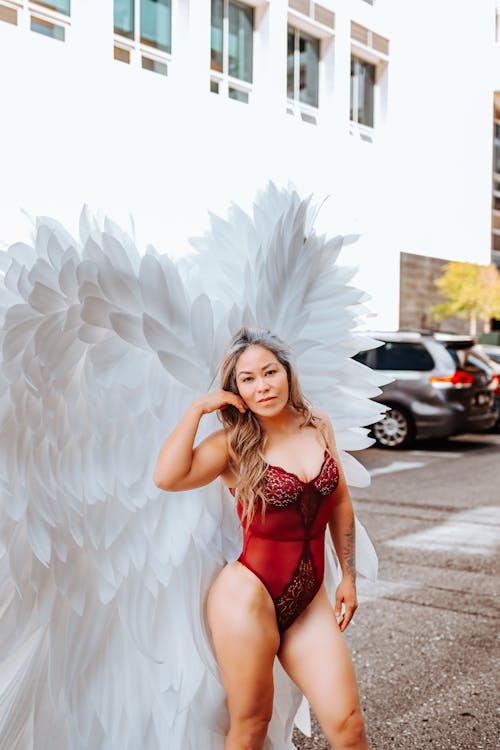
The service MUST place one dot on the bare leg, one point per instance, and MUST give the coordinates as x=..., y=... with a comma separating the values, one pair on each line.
x=315, y=655
x=243, y=623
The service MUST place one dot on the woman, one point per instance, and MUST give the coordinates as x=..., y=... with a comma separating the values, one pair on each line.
x=279, y=458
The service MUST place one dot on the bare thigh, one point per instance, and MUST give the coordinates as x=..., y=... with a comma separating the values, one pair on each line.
x=315, y=655
x=242, y=620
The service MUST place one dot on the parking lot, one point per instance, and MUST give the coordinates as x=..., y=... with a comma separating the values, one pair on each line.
x=425, y=637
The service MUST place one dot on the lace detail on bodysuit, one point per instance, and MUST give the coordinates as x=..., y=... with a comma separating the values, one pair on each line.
x=283, y=488
x=285, y=548
x=298, y=594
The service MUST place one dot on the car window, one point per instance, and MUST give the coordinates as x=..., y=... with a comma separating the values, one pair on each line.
x=403, y=355
x=362, y=357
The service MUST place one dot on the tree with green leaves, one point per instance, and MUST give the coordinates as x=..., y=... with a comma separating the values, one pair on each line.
x=472, y=292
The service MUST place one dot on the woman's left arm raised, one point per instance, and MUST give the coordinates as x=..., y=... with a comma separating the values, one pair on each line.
x=342, y=529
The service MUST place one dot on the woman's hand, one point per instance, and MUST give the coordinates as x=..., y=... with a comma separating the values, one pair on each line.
x=346, y=594
x=219, y=400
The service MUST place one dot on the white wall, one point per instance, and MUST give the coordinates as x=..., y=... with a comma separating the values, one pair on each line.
x=442, y=132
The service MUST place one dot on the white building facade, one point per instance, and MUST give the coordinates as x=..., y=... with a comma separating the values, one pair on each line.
x=168, y=109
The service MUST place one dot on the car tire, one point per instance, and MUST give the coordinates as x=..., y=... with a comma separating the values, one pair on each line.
x=395, y=429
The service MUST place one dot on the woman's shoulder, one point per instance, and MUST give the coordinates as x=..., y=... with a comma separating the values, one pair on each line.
x=220, y=442
x=321, y=418
x=322, y=421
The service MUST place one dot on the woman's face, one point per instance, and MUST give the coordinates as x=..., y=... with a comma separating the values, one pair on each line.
x=262, y=381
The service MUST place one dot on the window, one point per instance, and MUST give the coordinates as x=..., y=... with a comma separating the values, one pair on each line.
x=62, y=6
x=362, y=357
x=496, y=149
x=124, y=18
x=155, y=21
x=302, y=67
x=47, y=28
x=9, y=15
x=155, y=24
x=403, y=355
x=362, y=90
x=48, y=17
x=231, y=48
x=369, y=80
x=148, y=22
x=48, y=24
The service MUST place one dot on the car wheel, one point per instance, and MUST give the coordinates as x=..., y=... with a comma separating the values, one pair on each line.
x=394, y=430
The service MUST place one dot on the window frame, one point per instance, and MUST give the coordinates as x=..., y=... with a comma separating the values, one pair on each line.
x=138, y=53
x=296, y=66
x=27, y=11
x=354, y=98
x=305, y=111
x=221, y=83
x=368, y=53
x=47, y=5
x=312, y=22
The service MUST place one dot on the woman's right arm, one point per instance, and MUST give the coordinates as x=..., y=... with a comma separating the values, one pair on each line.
x=180, y=466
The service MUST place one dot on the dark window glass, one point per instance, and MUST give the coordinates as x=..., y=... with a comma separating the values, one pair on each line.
x=361, y=357
x=403, y=355
x=124, y=18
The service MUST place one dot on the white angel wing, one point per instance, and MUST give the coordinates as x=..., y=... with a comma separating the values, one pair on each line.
x=104, y=577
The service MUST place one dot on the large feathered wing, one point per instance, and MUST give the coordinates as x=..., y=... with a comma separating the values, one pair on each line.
x=104, y=642
x=103, y=576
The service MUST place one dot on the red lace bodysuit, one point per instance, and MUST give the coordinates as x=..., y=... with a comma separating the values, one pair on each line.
x=285, y=549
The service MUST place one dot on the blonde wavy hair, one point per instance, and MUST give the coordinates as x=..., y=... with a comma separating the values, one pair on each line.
x=245, y=434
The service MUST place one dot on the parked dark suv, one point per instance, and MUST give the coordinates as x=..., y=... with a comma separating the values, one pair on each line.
x=439, y=387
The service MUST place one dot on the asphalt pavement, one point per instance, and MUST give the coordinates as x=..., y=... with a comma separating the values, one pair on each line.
x=425, y=638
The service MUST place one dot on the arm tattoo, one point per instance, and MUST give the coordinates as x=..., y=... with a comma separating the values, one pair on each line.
x=348, y=550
